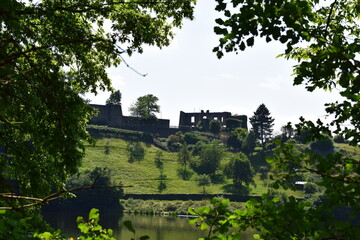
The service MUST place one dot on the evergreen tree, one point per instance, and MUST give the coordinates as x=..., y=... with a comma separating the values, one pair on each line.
x=262, y=124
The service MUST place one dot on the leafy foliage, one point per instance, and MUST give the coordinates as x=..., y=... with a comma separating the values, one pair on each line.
x=323, y=145
x=236, y=138
x=136, y=151
x=232, y=123
x=102, y=195
x=158, y=160
x=249, y=143
x=107, y=132
x=192, y=138
x=215, y=126
x=240, y=170
x=184, y=156
x=209, y=159
x=324, y=38
x=89, y=229
x=145, y=107
x=287, y=131
x=51, y=53
x=115, y=98
x=203, y=180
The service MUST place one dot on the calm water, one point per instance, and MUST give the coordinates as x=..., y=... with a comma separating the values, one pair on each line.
x=156, y=227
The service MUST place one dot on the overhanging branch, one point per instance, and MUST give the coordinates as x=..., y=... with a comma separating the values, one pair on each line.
x=51, y=197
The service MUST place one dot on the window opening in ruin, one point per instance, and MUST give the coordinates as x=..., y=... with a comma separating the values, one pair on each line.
x=192, y=119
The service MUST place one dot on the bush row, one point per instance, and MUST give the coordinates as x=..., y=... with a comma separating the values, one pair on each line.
x=158, y=207
x=107, y=132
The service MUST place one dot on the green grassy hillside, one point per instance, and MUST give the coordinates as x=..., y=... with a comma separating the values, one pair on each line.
x=143, y=176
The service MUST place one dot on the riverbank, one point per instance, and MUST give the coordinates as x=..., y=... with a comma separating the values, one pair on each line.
x=161, y=207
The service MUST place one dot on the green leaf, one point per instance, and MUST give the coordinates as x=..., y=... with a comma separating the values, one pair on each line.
x=192, y=221
x=242, y=46
x=94, y=214
x=204, y=226
x=250, y=41
x=256, y=236
x=276, y=199
x=219, y=21
x=192, y=211
x=83, y=228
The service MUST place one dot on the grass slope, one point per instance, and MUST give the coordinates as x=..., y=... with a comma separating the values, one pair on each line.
x=143, y=176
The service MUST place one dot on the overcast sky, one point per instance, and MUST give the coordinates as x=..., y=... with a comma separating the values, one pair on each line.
x=187, y=76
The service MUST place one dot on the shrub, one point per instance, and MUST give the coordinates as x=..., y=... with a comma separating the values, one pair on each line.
x=136, y=151
x=192, y=138
x=232, y=123
x=322, y=146
x=339, y=139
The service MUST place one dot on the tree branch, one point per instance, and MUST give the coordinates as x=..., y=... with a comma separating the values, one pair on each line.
x=329, y=17
x=51, y=197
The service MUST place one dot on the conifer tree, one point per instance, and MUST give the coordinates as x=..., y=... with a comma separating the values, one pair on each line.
x=262, y=124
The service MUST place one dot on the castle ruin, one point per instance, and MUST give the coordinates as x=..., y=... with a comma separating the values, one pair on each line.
x=111, y=115
x=191, y=120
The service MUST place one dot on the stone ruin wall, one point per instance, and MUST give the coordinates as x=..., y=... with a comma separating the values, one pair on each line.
x=111, y=116
x=190, y=120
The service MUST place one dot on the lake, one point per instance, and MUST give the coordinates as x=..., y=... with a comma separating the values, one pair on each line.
x=156, y=227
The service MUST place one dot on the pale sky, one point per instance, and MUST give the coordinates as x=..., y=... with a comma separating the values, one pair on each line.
x=187, y=76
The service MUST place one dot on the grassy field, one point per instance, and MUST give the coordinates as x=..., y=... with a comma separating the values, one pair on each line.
x=143, y=176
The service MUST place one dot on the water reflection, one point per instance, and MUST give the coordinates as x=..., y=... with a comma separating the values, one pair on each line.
x=160, y=228
x=156, y=227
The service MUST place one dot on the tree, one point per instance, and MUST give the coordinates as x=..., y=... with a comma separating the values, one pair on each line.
x=192, y=138
x=145, y=107
x=240, y=170
x=262, y=124
x=209, y=158
x=135, y=151
x=158, y=161
x=236, y=138
x=101, y=198
x=215, y=126
x=184, y=155
x=323, y=145
x=324, y=38
x=160, y=165
x=202, y=181
x=115, y=98
x=51, y=53
x=287, y=131
x=249, y=143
